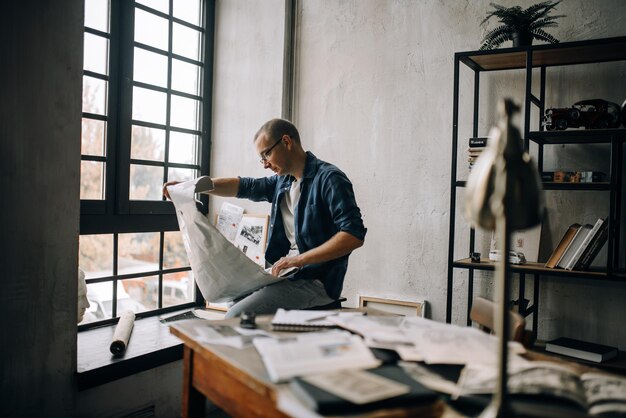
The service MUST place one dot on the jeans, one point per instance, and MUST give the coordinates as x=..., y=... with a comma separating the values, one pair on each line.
x=297, y=294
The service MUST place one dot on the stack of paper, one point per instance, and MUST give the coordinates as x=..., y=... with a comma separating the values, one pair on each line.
x=314, y=352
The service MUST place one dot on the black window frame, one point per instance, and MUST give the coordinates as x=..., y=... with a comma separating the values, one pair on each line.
x=116, y=213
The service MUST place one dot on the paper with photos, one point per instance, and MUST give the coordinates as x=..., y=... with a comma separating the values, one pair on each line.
x=314, y=352
x=358, y=386
x=228, y=220
x=222, y=272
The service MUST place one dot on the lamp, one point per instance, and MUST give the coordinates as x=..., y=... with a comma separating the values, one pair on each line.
x=503, y=194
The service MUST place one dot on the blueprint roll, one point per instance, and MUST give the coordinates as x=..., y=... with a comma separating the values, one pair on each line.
x=122, y=333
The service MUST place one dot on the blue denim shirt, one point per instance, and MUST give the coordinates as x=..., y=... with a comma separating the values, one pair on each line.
x=326, y=206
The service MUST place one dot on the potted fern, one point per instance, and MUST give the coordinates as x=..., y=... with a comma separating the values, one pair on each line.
x=521, y=25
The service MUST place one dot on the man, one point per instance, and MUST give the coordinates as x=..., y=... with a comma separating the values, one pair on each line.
x=314, y=224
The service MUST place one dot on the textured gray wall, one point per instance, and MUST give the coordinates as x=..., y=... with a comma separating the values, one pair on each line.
x=374, y=89
x=374, y=96
x=40, y=163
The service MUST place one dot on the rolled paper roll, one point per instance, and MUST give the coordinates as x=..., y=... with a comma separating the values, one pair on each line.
x=122, y=333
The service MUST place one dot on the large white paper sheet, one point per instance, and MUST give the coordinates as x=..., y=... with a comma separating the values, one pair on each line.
x=222, y=271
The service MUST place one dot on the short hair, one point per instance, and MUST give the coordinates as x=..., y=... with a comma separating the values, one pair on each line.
x=275, y=128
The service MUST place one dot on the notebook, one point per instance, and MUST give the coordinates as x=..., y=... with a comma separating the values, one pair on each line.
x=301, y=320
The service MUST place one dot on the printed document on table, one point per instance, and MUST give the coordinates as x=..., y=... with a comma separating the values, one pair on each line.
x=314, y=352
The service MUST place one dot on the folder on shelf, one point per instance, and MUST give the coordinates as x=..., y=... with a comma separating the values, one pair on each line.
x=560, y=249
x=577, y=256
x=566, y=261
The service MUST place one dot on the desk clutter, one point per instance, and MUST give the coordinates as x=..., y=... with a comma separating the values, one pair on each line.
x=353, y=362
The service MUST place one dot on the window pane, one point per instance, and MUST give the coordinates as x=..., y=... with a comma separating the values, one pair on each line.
x=186, y=42
x=146, y=182
x=174, y=254
x=138, y=252
x=150, y=68
x=147, y=143
x=187, y=10
x=184, y=112
x=149, y=105
x=160, y=5
x=133, y=294
x=178, y=288
x=185, y=77
x=182, y=174
x=183, y=148
x=95, y=255
x=92, y=137
x=97, y=14
x=96, y=52
x=151, y=30
x=92, y=180
x=94, y=95
x=100, y=296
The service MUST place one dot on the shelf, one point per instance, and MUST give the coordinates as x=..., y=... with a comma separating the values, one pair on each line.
x=597, y=186
x=538, y=268
x=525, y=59
x=567, y=53
x=578, y=136
x=615, y=365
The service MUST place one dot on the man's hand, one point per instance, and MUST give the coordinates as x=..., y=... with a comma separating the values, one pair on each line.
x=286, y=262
x=166, y=185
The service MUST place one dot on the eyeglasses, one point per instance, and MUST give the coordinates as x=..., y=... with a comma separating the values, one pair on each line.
x=265, y=154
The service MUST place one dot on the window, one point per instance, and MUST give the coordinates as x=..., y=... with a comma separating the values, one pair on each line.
x=147, y=79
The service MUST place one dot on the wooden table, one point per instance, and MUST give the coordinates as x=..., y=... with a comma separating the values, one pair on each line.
x=236, y=381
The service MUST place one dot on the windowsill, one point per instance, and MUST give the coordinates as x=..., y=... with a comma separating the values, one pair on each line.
x=150, y=345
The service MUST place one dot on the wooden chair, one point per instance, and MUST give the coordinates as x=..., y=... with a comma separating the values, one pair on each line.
x=483, y=313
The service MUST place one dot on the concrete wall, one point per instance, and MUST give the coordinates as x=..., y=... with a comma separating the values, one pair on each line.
x=374, y=96
x=248, y=75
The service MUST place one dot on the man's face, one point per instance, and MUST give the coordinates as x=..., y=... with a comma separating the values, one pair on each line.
x=272, y=154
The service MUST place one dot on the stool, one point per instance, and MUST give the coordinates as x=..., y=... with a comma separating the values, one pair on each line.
x=335, y=304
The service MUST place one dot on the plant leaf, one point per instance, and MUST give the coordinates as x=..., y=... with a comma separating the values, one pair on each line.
x=544, y=36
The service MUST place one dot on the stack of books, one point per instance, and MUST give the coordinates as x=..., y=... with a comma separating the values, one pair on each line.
x=579, y=246
x=476, y=146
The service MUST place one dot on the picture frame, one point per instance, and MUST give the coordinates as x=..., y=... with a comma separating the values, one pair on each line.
x=251, y=237
x=525, y=241
x=399, y=307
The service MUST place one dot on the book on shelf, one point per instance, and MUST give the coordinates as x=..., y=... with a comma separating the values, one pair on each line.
x=475, y=151
x=583, y=350
x=567, y=259
x=562, y=246
x=593, y=248
x=476, y=146
x=479, y=141
x=584, y=245
x=548, y=389
x=358, y=391
x=561, y=176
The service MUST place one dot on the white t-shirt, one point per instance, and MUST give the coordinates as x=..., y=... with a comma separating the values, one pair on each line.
x=287, y=209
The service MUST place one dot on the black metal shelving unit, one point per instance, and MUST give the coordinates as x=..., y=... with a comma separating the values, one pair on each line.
x=528, y=58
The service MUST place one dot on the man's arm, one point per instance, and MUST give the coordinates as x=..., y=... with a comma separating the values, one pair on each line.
x=340, y=244
x=222, y=186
